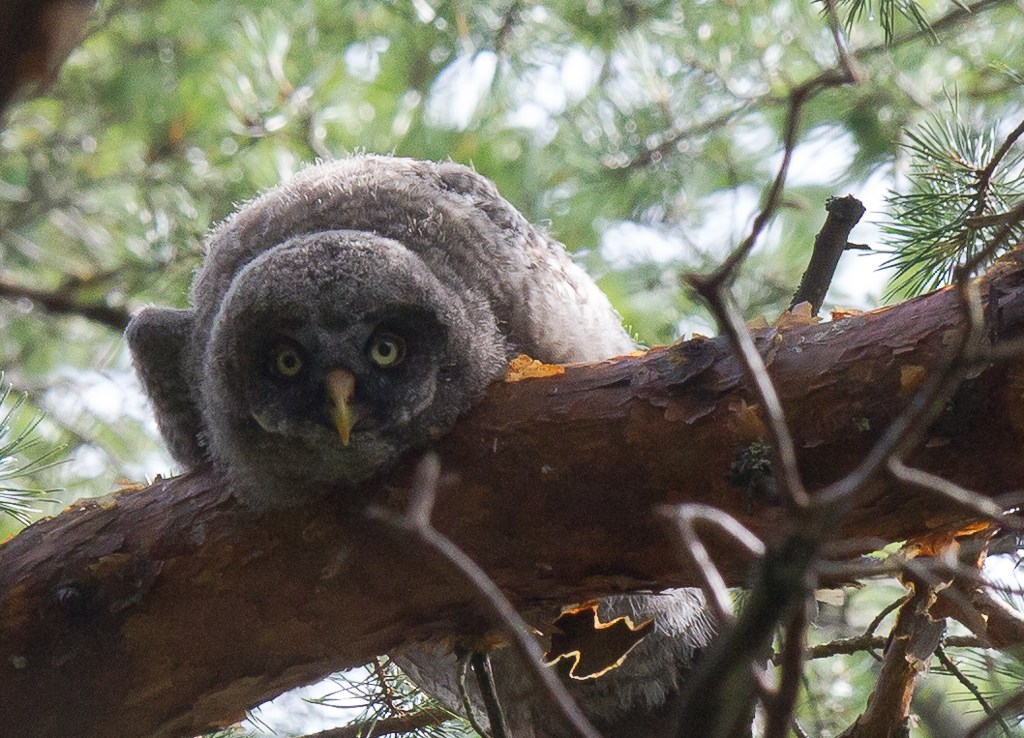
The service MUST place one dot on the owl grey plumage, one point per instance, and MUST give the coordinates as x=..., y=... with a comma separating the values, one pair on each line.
x=315, y=271
x=354, y=313
x=641, y=698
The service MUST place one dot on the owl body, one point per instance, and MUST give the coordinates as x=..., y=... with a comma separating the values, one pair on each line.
x=354, y=313
x=641, y=698
x=427, y=253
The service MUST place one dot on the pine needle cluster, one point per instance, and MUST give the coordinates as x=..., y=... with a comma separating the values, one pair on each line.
x=964, y=184
x=382, y=694
x=16, y=462
x=888, y=13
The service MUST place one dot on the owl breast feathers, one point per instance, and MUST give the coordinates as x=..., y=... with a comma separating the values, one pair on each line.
x=353, y=313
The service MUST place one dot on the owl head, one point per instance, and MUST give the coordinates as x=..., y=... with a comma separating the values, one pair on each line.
x=331, y=354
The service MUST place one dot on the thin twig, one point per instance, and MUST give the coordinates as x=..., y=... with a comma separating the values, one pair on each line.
x=924, y=407
x=965, y=642
x=417, y=522
x=947, y=22
x=385, y=695
x=798, y=97
x=60, y=302
x=666, y=147
x=467, y=703
x=780, y=709
x=978, y=222
x=974, y=502
x=510, y=18
x=986, y=174
x=891, y=567
x=971, y=687
x=715, y=591
x=847, y=646
x=783, y=577
x=713, y=288
x=870, y=643
x=428, y=717
x=869, y=632
x=877, y=620
x=847, y=63
x=904, y=433
x=481, y=664
x=983, y=186
x=783, y=449
x=1013, y=216
x=723, y=686
x=1012, y=706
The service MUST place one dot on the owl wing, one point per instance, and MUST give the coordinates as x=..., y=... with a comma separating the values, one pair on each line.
x=159, y=339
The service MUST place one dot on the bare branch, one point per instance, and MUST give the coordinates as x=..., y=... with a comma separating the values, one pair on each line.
x=914, y=638
x=780, y=708
x=984, y=507
x=60, y=302
x=847, y=63
x=400, y=724
x=1012, y=217
x=905, y=432
x=417, y=522
x=693, y=550
x=847, y=646
x=877, y=620
x=731, y=321
x=798, y=97
x=952, y=20
x=843, y=214
x=1012, y=706
x=985, y=175
x=971, y=687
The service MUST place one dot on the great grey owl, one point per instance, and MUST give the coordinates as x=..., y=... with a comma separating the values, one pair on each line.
x=354, y=313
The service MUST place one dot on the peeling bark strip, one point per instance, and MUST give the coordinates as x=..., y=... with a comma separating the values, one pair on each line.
x=167, y=611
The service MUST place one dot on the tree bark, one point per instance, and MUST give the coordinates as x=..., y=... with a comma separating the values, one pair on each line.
x=170, y=610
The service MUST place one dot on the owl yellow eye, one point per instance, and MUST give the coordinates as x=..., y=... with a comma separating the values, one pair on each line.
x=386, y=350
x=287, y=361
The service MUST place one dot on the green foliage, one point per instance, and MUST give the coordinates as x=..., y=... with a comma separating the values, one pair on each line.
x=643, y=132
x=20, y=459
x=380, y=691
x=956, y=182
x=995, y=675
x=888, y=13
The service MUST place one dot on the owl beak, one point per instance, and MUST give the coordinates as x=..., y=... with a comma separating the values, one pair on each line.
x=341, y=385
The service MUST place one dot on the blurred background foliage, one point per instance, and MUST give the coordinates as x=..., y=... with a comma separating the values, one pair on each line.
x=641, y=132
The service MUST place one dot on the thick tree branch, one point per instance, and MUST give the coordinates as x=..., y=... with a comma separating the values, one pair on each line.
x=914, y=639
x=36, y=37
x=169, y=610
